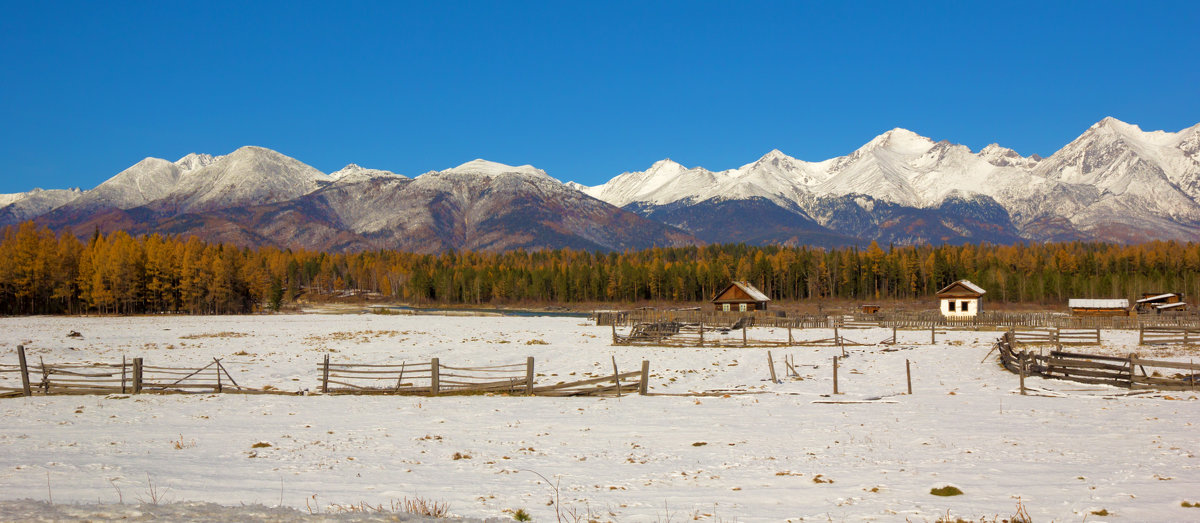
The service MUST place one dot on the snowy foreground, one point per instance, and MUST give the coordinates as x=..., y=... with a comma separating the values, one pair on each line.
x=781, y=453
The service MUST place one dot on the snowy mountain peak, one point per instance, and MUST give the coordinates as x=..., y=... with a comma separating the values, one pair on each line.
x=355, y=172
x=489, y=169
x=1005, y=157
x=195, y=161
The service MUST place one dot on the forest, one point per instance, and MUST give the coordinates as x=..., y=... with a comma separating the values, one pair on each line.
x=42, y=272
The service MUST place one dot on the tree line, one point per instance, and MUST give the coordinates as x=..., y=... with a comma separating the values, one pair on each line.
x=42, y=272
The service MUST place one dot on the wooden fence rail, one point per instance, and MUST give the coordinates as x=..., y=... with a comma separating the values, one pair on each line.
x=920, y=320
x=110, y=378
x=433, y=379
x=1128, y=372
x=1168, y=335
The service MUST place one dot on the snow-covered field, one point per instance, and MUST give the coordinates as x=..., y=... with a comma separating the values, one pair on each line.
x=782, y=453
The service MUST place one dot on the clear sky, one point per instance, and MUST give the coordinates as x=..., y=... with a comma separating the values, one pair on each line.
x=584, y=90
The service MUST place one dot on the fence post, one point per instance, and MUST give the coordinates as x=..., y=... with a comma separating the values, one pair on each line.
x=1131, y=370
x=435, y=385
x=701, y=329
x=1141, y=334
x=218, y=369
x=1021, y=366
x=644, y=384
x=325, y=376
x=835, y=387
x=771, y=365
x=743, y=334
x=908, y=375
x=616, y=376
x=137, y=375
x=933, y=333
x=24, y=371
x=529, y=376
x=790, y=335
x=123, y=367
x=614, y=332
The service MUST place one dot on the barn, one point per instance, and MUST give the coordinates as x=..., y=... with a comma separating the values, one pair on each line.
x=961, y=300
x=740, y=296
x=1109, y=307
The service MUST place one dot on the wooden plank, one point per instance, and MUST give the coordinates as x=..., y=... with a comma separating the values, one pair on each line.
x=1166, y=364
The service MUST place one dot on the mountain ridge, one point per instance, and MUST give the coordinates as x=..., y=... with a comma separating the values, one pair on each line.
x=1114, y=182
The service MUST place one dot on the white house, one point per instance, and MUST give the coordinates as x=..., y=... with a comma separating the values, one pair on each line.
x=961, y=300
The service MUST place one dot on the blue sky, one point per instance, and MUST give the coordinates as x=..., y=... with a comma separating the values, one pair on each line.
x=582, y=90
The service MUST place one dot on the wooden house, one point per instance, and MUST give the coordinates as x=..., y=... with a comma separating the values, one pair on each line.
x=740, y=296
x=1159, y=302
x=869, y=309
x=1110, y=307
x=961, y=300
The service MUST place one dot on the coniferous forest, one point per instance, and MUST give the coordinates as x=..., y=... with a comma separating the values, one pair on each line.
x=43, y=272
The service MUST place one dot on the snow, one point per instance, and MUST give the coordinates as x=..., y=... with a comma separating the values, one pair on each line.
x=353, y=173
x=480, y=167
x=752, y=455
x=1098, y=303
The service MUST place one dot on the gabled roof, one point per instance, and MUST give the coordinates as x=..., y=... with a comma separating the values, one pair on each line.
x=745, y=286
x=1076, y=303
x=1156, y=298
x=966, y=284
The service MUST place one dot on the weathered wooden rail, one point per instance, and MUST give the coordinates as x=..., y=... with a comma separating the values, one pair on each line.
x=1168, y=335
x=1131, y=372
x=433, y=378
x=128, y=376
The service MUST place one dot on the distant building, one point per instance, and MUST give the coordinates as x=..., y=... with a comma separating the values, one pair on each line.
x=961, y=300
x=1111, y=307
x=740, y=296
x=1158, y=303
x=869, y=309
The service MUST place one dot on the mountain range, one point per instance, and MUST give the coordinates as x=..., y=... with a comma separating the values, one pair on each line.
x=1114, y=182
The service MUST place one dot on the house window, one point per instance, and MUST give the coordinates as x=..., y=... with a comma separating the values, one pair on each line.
x=949, y=305
x=725, y=307
x=742, y=307
x=965, y=306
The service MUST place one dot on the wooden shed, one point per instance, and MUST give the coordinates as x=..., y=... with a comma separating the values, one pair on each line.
x=869, y=308
x=1161, y=302
x=1110, y=307
x=961, y=300
x=740, y=296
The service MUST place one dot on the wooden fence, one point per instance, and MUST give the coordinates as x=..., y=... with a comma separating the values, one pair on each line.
x=1058, y=337
x=128, y=376
x=417, y=378
x=432, y=378
x=1160, y=335
x=1130, y=372
x=920, y=320
x=675, y=334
